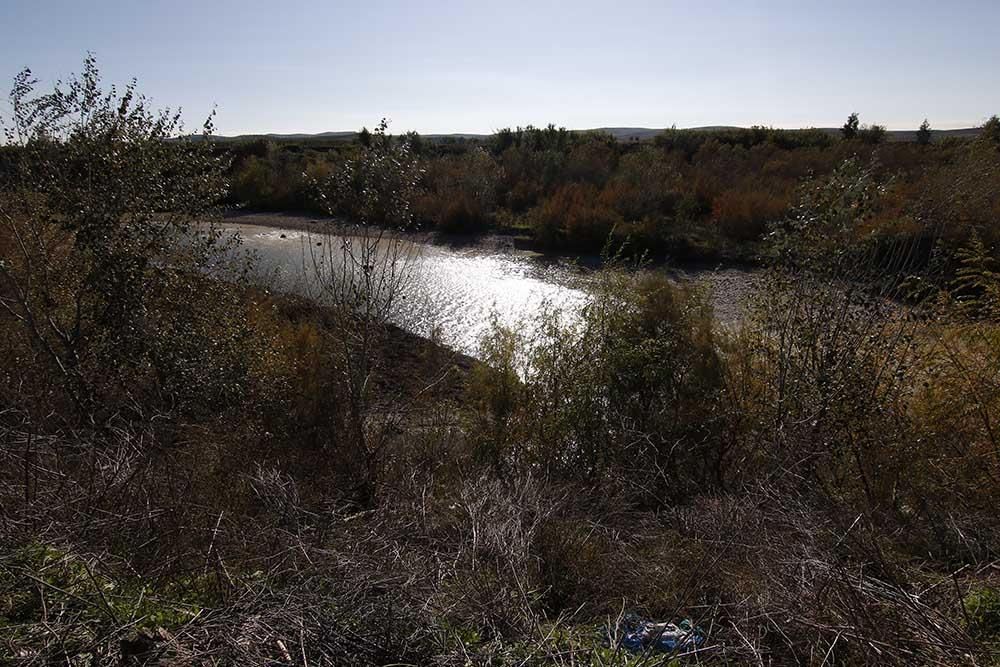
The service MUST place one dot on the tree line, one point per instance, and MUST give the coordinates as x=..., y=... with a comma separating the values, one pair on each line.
x=689, y=195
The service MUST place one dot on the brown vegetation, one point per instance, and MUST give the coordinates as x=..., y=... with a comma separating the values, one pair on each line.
x=690, y=194
x=195, y=472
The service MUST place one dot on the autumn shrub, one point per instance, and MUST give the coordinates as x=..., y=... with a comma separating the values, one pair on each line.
x=744, y=215
x=531, y=171
x=453, y=213
x=523, y=195
x=961, y=196
x=646, y=183
x=591, y=160
x=461, y=192
x=575, y=215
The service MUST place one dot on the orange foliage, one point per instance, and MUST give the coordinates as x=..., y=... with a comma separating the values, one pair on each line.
x=743, y=215
x=579, y=213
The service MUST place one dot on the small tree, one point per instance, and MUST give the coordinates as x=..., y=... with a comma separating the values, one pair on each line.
x=502, y=140
x=873, y=134
x=976, y=286
x=821, y=234
x=850, y=129
x=101, y=201
x=991, y=130
x=365, y=275
x=924, y=133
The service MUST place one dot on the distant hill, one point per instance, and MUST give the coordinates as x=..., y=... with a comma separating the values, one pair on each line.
x=619, y=133
x=334, y=136
x=629, y=133
x=645, y=133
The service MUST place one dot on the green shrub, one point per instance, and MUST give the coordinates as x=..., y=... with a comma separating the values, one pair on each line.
x=625, y=392
x=983, y=609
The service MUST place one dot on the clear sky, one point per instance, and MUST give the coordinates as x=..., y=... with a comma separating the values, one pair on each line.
x=448, y=66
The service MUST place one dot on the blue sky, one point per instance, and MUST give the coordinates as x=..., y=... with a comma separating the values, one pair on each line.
x=445, y=66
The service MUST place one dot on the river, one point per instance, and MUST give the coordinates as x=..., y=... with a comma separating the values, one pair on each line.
x=453, y=294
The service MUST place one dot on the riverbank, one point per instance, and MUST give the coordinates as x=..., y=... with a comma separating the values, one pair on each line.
x=517, y=244
x=326, y=224
x=407, y=365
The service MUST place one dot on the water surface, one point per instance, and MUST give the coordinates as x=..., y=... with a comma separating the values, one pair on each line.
x=453, y=294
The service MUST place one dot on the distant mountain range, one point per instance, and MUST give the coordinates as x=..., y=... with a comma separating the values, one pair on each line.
x=643, y=133
x=619, y=133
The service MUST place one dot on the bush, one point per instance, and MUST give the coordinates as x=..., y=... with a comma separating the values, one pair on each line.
x=461, y=192
x=990, y=132
x=576, y=216
x=744, y=216
x=634, y=381
x=983, y=608
x=872, y=135
x=113, y=214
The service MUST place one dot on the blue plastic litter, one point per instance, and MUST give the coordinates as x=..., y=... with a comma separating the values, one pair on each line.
x=638, y=636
